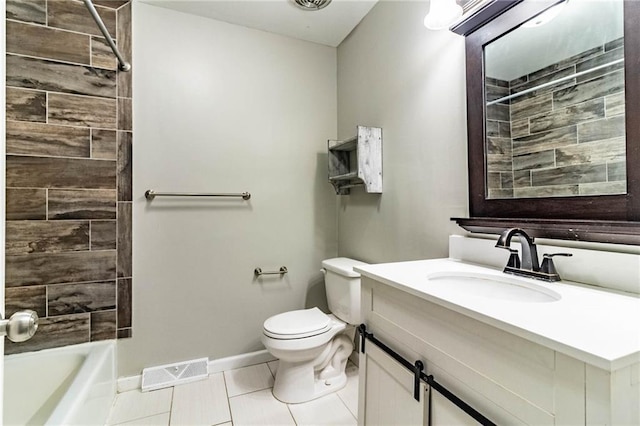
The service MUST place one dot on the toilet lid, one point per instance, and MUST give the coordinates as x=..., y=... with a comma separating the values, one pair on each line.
x=297, y=324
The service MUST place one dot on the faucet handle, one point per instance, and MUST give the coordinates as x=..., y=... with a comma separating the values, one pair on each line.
x=514, y=260
x=547, y=266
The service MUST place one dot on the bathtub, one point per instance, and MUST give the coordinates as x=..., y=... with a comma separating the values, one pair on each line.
x=73, y=385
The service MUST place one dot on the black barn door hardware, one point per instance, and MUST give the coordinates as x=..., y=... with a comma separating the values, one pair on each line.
x=417, y=370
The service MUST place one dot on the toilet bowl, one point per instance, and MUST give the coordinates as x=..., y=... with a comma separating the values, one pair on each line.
x=313, y=347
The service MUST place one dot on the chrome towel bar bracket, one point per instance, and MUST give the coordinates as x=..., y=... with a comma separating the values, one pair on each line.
x=150, y=194
x=258, y=271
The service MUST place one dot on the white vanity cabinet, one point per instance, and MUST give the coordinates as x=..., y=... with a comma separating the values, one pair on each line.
x=509, y=379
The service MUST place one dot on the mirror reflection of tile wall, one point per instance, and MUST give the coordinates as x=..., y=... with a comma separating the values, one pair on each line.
x=566, y=139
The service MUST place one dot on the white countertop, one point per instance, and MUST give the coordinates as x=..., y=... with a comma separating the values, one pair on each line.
x=598, y=327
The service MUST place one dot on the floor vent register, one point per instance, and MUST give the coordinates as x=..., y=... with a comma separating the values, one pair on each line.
x=164, y=376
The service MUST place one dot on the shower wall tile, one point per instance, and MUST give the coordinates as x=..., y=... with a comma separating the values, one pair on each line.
x=103, y=235
x=43, y=74
x=575, y=174
x=73, y=15
x=67, y=299
x=536, y=160
x=574, y=114
x=26, y=105
x=54, y=332
x=19, y=298
x=124, y=44
x=56, y=268
x=82, y=204
x=26, y=204
x=607, y=128
x=605, y=58
x=28, y=236
x=68, y=237
x=82, y=111
x=103, y=144
x=27, y=10
x=124, y=114
x=542, y=141
x=125, y=166
x=103, y=325
x=617, y=171
x=614, y=104
x=51, y=172
x=600, y=188
x=595, y=152
x=25, y=39
x=101, y=54
x=601, y=86
x=124, y=240
x=41, y=139
x=124, y=303
x=546, y=191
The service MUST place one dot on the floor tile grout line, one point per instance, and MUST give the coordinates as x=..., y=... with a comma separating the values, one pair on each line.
x=224, y=378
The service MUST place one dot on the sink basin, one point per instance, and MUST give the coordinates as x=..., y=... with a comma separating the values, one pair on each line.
x=491, y=286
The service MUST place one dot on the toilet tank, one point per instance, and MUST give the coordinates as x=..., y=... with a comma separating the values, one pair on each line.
x=342, y=285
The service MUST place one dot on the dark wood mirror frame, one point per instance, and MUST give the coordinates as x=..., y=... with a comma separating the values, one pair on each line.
x=605, y=218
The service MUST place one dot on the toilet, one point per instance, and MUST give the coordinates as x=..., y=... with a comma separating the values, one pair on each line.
x=313, y=347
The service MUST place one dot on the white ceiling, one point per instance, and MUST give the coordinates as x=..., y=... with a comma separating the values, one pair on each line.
x=327, y=26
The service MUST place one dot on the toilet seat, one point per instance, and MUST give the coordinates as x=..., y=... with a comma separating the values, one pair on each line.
x=297, y=324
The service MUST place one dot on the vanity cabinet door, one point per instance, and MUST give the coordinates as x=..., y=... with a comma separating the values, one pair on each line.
x=386, y=396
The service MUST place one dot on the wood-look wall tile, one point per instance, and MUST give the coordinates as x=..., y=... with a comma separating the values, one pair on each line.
x=103, y=325
x=617, y=171
x=602, y=188
x=493, y=179
x=27, y=10
x=499, y=193
x=596, y=88
x=124, y=240
x=82, y=204
x=73, y=15
x=54, y=332
x=498, y=112
x=506, y=180
x=546, y=191
x=29, y=236
x=607, y=128
x=574, y=114
x=103, y=144
x=42, y=74
x=101, y=54
x=505, y=129
x=570, y=175
x=535, y=160
x=124, y=44
x=615, y=104
x=498, y=146
x=113, y=4
x=124, y=114
x=496, y=82
x=47, y=140
x=572, y=60
x=521, y=178
x=124, y=302
x=495, y=92
x=614, y=44
x=124, y=333
x=520, y=128
x=593, y=152
x=19, y=298
x=493, y=128
x=546, y=140
x=54, y=268
x=531, y=106
x=47, y=172
x=26, y=105
x=84, y=111
x=605, y=58
x=125, y=166
x=26, y=204
x=499, y=162
x=533, y=81
x=27, y=39
x=103, y=235
x=64, y=299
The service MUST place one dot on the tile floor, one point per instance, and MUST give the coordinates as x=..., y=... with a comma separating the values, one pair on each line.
x=235, y=397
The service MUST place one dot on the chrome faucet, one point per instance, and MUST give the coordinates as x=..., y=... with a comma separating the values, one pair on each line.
x=528, y=266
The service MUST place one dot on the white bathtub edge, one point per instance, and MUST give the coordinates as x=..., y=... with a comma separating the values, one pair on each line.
x=130, y=383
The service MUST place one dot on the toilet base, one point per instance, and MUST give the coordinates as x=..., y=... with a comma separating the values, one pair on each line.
x=298, y=382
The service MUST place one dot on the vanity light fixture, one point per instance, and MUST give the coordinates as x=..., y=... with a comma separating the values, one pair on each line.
x=442, y=13
x=546, y=16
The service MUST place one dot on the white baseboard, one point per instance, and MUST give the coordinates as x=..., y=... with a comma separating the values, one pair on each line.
x=130, y=383
x=239, y=361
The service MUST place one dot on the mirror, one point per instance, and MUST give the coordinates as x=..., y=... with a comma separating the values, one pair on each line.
x=554, y=93
x=564, y=157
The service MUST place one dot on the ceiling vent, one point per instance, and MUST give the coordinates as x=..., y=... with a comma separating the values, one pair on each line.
x=312, y=4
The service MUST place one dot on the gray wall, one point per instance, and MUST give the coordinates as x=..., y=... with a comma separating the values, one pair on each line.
x=222, y=108
x=395, y=74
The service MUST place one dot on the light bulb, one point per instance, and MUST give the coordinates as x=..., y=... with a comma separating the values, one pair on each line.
x=442, y=13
